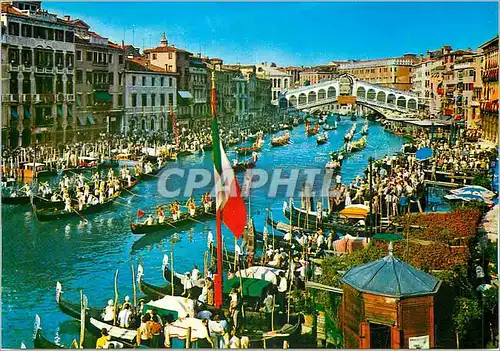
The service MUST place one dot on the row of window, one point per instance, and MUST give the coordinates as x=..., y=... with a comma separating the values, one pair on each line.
x=44, y=84
x=153, y=100
x=153, y=81
x=29, y=31
x=98, y=57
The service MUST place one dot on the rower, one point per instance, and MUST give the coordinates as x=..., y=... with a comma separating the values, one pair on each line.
x=67, y=204
x=191, y=207
x=109, y=312
x=161, y=215
x=207, y=201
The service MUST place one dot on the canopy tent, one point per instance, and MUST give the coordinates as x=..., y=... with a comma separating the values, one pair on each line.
x=355, y=212
x=175, y=305
x=474, y=189
x=179, y=328
x=260, y=272
x=185, y=94
x=102, y=96
x=467, y=197
x=250, y=286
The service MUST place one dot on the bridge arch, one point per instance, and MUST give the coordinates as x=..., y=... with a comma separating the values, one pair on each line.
x=361, y=93
x=332, y=92
x=391, y=99
x=311, y=97
x=381, y=96
x=370, y=95
x=292, y=102
x=412, y=104
x=401, y=101
x=302, y=99
x=321, y=94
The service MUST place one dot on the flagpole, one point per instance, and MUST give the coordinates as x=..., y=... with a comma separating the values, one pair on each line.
x=218, y=231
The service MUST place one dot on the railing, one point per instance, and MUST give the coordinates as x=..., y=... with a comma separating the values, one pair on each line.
x=101, y=86
x=49, y=70
x=13, y=67
x=14, y=98
x=60, y=97
x=26, y=97
x=70, y=97
x=26, y=68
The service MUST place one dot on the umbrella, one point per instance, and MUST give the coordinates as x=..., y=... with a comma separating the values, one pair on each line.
x=423, y=154
x=354, y=211
x=467, y=197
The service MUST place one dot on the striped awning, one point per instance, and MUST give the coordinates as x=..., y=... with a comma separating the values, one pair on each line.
x=91, y=119
x=82, y=120
x=14, y=113
x=27, y=112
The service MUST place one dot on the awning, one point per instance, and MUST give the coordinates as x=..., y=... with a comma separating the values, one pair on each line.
x=185, y=94
x=70, y=111
x=78, y=100
x=91, y=119
x=103, y=96
x=27, y=113
x=59, y=111
x=82, y=120
x=14, y=114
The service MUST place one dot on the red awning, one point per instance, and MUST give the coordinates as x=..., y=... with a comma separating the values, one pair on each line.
x=458, y=118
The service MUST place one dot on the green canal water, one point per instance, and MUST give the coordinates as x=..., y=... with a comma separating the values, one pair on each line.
x=85, y=255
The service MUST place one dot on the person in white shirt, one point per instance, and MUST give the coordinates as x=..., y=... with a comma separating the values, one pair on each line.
x=124, y=317
x=195, y=274
x=188, y=284
x=109, y=312
x=282, y=290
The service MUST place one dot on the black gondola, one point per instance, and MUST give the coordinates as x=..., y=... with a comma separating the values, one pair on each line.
x=243, y=166
x=170, y=223
x=39, y=341
x=322, y=139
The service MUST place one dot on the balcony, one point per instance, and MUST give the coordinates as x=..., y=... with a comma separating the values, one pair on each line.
x=200, y=100
x=26, y=68
x=100, y=63
x=13, y=67
x=49, y=69
x=47, y=98
x=60, y=69
x=101, y=86
x=70, y=97
x=36, y=98
x=39, y=69
x=14, y=98
x=6, y=98
x=60, y=97
x=26, y=97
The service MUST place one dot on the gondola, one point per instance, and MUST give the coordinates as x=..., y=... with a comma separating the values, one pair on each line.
x=249, y=150
x=333, y=165
x=364, y=130
x=73, y=309
x=133, y=182
x=312, y=131
x=51, y=214
x=284, y=227
x=284, y=126
x=329, y=127
x=153, y=173
x=280, y=140
x=153, y=291
x=39, y=341
x=243, y=166
x=170, y=224
x=15, y=200
x=358, y=145
x=322, y=139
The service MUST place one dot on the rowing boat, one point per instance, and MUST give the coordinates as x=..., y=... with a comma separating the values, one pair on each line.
x=243, y=166
x=358, y=145
x=322, y=139
x=249, y=150
x=153, y=173
x=280, y=140
x=329, y=127
x=73, y=309
x=51, y=214
x=171, y=224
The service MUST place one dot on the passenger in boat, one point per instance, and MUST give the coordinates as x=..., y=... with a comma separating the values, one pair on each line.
x=195, y=274
x=188, y=284
x=67, y=204
x=124, y=316
x=161, y=215
x=103, y=340
x=191, y=207
x=149, y=220
x=109, y=312
x=143, y=332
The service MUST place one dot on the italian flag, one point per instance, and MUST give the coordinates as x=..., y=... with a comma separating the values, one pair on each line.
x=230, y=204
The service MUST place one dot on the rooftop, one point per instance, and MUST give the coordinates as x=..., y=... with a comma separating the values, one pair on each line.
x=167, y=48
x=389, y=276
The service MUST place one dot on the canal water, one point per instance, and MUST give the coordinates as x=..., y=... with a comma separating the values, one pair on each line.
x=85, y=255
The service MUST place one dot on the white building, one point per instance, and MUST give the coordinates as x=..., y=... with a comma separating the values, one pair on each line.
x=240, y=85
x=421, y=83
x=150, y=95
x=280, y=81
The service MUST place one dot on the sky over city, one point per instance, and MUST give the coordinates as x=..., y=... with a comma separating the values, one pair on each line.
x=291, y=33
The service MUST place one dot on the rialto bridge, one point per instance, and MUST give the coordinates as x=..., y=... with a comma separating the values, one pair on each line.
x=347, y=89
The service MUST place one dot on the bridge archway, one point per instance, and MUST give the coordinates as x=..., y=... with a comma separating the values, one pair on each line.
x=401, y=101
x=345, y=85
x=311, y=97
x=361, y=93
x=412, y=104
x=371, y=94
x=302, y=99
x=292, y=102
x=332, y=92
x=321, y=94
x=381, y=96
x=391, y=99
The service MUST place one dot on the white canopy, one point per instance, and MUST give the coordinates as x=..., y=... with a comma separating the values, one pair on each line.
x=171, y=303
x=260, y=272
x=179, y=329
x=116, y=332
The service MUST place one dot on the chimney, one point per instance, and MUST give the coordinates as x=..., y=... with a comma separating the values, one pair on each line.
x=67, y=17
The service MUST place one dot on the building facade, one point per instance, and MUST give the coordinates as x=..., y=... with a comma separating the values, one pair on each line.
x=150, y=96
x=38, y=58
x=390, y=72
x=314, y=75
x=100, y=66
x=198, y=86
x=280, y=81
x=489, y=94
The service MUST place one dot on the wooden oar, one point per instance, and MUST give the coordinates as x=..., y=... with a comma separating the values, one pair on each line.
x=132, y=193
x=85, y=219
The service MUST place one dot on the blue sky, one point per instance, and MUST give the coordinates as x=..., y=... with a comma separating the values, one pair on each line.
x=292, y=33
